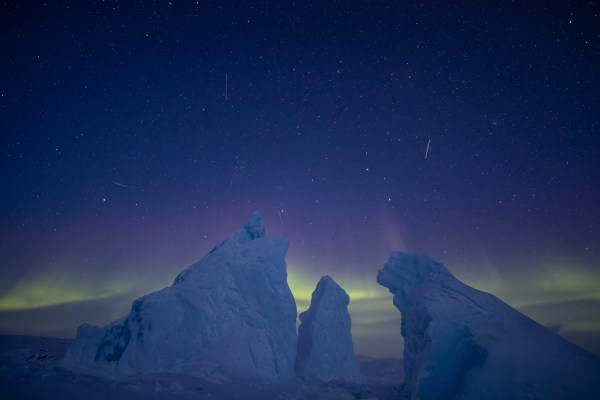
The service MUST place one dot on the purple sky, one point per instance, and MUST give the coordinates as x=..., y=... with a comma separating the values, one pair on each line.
x=467, y=132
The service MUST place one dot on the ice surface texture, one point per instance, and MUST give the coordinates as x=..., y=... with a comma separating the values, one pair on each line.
x=325, y=350
x=461, y=343
x=233, y=309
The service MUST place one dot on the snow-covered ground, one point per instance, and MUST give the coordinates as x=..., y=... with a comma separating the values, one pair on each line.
x=29, y=370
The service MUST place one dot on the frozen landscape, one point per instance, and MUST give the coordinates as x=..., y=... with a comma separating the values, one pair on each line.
x=137, y=138
x=226, y=329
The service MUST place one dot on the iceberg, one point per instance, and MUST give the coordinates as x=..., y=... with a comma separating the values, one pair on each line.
x=464, y=343
x=231, y=313
x=325, y=349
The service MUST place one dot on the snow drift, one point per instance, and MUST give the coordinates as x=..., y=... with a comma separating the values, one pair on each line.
x=231, y=313
x=325, y=349
x=464, y=343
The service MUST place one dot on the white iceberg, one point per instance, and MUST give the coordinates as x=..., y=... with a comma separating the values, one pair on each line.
x=461, y=343
x=232, y=313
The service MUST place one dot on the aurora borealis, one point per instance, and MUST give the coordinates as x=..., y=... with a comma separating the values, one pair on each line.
x=467, y=132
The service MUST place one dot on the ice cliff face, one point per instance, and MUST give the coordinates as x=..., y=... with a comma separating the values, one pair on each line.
x=325, y=350
x=232, y=311
x=467, y=344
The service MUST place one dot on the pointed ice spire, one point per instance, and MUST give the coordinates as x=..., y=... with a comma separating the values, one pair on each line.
x=252, y=230
x=325, y=349
x=255, y=227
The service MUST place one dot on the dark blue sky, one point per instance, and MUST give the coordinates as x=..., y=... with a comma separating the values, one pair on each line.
x=137, y=134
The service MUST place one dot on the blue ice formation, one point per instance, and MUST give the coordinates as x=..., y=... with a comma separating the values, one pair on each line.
x=325, y=349
x=232, y=313
x=461, y=343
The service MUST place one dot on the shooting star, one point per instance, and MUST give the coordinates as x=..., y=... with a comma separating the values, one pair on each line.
x=279, y=213
x=120, y=184
x=427, y=150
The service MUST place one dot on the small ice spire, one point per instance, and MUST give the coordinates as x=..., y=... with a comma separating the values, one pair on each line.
x=255, y=226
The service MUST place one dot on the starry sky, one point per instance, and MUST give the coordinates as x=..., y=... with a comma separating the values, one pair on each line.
x=136, y=135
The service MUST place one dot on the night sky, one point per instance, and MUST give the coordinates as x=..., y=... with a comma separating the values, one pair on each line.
x=136, y=135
